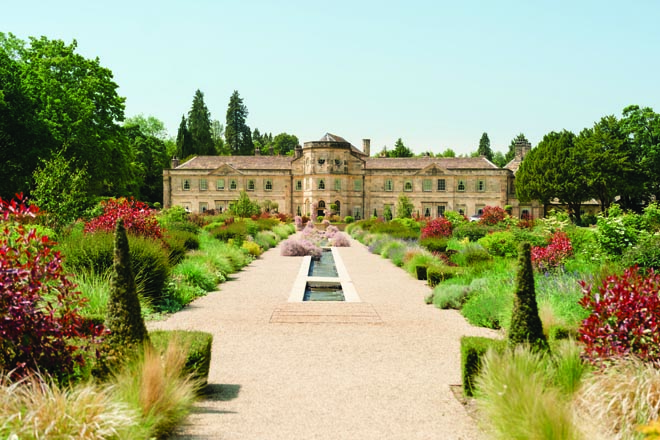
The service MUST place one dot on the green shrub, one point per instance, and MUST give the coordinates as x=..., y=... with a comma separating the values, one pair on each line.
x=487, y=308
x=645, y=254
x=93, y=252
x=178, y=242
x=196, y=273
x=395, y=230
x=416, y=258
x=283, y=231
x=349, y=219
x=184, y=226
x=236, y=231
x=473, y=349
x=470, y=254
x=198, y=359
x=502, y=243
x=266, y=239
x=437, y=274
x=450, y=296
x=472, y=230
x=434, y=244
x=252, y=248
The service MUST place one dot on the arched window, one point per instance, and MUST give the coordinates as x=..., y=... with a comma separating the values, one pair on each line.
x=461, y=185
x=321, y=184
x=269, y=185
x=321, y=204
x=407, y=186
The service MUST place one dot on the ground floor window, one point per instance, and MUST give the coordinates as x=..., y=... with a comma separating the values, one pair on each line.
x=357, y=212
x=203, y=206
x=441, y=210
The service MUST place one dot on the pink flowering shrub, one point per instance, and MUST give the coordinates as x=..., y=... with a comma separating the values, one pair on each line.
x=554, y=254
x=340, y=240
x=492, y=215
x=40, y=325
x=292, y=247
x=139, y=219
x=330, y=231
x=437, y=228
x=299, y=223
x=624, y=319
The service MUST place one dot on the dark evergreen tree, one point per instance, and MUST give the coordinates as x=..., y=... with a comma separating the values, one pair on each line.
x=123, y=315
x=184, y=140
x=199, y=126
x=237, y=133
x=400, y=150
x=484, y=147
x=526, y=326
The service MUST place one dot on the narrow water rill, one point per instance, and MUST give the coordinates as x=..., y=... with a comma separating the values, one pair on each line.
x=323, y=279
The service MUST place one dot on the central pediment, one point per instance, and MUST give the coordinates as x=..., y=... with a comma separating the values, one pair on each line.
x=432, y=170
x=225, y=169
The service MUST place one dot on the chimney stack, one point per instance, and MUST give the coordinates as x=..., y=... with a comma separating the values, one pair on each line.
x=175, y=162
x=297, y=152
x=522, y=148
x=257, y=152
x=366, y=146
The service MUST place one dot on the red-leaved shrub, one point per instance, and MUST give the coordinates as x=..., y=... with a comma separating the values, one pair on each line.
x=492, y=215
x=624, y=319
x=40, y=325
x=554, y=254
x=436, y=228
x=139, y=219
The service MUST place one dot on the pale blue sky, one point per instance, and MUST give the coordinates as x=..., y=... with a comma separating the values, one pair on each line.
x=435, y=73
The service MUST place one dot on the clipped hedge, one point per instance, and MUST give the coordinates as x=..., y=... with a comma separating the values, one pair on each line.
x=473, y=348
x=198, y=360
x=437, y=274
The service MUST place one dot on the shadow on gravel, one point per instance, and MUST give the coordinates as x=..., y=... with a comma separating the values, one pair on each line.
x=221, y=392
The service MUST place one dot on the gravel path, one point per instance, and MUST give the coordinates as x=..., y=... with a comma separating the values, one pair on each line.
x=385, y=380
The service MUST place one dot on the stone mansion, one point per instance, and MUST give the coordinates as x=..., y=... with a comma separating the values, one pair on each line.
x=332, y=171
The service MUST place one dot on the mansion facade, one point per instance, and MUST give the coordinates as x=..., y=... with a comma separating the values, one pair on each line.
x=332, y=171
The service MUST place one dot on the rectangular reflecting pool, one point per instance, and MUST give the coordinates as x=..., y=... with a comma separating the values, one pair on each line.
x=323, y=267
x=323, y=293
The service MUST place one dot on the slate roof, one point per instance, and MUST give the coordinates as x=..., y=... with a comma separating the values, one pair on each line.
x=329, y=137
x=238, y=162
x=417, y=163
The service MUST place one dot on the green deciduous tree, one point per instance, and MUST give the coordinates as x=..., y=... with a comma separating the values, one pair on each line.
x=449, y=153
x=400, y=150
x=404, y=207
x=60, y=190
x=149, y=125
x=218, y=136
x=237, y=133
x=642, y=126
x=151, y=158
x=199, y=126
x=244, y=207
x=24, y=138
x=484, y=147
x=284, y=144
x=610, y=169
x=76, y=98
x=556, y=168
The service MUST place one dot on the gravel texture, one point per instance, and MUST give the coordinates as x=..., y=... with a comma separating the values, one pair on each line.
x=367, y=380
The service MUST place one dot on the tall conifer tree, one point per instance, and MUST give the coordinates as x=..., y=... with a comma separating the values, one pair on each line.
x=183, y=140
x=237, y=133
x=484, y=147
x=199, y=125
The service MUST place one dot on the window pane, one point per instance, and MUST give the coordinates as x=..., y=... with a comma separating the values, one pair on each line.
x=461, y=185
x=203, y=185
x=426, y=185
x=220, y=184
x=186, y=184
x=357, y=185
x=321, y=184
x=441, y=185
x=388, y=185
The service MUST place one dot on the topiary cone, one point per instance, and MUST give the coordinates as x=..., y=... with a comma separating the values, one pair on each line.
x=124, y=315
x=526, y=326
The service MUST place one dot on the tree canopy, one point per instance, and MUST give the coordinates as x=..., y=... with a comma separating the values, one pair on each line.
x=555, y=169
x=400, y=150
x=237, y=133
x=484, y=147
x=199, y=126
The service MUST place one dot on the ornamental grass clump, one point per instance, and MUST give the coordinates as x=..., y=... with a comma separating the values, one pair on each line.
x=624, y=317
